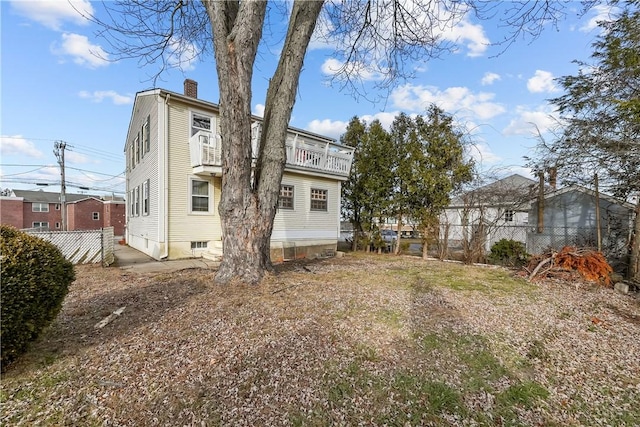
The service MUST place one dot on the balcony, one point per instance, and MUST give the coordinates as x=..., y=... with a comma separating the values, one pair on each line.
x=305, y=154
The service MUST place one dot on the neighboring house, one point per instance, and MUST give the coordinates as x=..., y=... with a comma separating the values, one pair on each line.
x=499, y=210
x=174, y=171
x=569, y=219
x=40, y=209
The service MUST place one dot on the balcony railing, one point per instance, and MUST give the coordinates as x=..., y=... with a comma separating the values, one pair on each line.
x=302, y=152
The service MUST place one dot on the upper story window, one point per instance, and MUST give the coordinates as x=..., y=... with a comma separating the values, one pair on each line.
x=95, y=216
x=200, y=122
x=318, y=199
x=40, y=207
x=508, y=215
x=38, y=224
x=285, y=200
x=146, y=137
x=199, y=196
x=145, y=198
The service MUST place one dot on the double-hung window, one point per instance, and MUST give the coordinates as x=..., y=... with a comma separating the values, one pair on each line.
x=200, y=122
x=145, y=198
x=199, y=196
x=285, y=200
x=136, y=201
x=40, y=207
x=318, y=199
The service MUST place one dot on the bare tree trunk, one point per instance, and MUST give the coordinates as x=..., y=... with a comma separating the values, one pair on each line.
x=634, y=264
x=247, y=206
x=396, y=249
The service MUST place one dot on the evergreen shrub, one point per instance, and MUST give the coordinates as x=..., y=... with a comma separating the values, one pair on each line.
x=35, y=280
x=510, y=253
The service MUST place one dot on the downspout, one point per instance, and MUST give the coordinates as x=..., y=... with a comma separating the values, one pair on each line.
x=165, y=178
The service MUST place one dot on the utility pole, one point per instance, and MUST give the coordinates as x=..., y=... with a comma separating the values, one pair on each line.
x=58, y=150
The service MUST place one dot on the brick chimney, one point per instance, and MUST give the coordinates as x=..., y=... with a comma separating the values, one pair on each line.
x=191, y=88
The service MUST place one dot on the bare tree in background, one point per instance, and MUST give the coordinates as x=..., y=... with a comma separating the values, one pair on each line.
x=380, y=37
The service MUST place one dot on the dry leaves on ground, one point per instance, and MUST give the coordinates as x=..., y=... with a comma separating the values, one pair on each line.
x=370, y=340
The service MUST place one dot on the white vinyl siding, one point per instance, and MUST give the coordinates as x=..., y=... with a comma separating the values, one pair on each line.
x=186, y=226
x=302, y=223
x=144, y=176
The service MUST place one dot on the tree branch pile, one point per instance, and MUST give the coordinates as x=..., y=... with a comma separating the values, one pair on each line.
x=569, y=263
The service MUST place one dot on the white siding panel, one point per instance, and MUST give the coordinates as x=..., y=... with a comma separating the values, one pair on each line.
x=185, y=226
x=302, y=223
x=144, y=228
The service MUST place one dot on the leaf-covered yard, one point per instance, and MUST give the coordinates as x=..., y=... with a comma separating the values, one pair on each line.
x=360, y=340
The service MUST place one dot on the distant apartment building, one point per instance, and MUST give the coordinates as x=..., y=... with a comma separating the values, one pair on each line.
x=25, y=209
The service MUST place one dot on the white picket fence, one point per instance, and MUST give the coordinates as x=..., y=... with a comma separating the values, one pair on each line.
x=82, y=247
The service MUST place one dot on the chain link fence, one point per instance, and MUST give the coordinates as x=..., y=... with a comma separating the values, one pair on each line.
x=473, y=243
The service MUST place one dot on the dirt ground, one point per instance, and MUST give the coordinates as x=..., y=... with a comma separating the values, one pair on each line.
x=359, y=340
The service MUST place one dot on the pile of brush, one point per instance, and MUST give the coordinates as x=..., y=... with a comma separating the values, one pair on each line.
x=569, y=263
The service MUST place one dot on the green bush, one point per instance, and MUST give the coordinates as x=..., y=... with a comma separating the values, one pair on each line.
x=509, y=253
x=35, y=280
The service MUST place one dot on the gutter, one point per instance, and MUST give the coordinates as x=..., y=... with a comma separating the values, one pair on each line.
x=164, y=178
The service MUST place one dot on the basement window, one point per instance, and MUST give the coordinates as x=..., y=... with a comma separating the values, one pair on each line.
x=199, y=245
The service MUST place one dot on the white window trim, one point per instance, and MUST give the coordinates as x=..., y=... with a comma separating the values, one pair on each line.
x=209, y=195
x=194, y=129
x=145, y=198
x=95, y=216
x=326, y=201
x=136, y=200
x=43, y=224
x=293, y=197
x=40, y=205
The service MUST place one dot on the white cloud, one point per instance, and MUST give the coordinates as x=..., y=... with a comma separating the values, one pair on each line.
x=385, y=118
x=53, y=13
x=81, y=50
x=258, y=110
x=460, y=101
x=542, y=81
x=530, y=122
x=601, y=12
x=471, y=35
x=328, y=127
x=182, y=54
x=482, y=154
x=101, y=95
x=77, y=158
x=489, y=78
x=19, y=146
x=357, y=70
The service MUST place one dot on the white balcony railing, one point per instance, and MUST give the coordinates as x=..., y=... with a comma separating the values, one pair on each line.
x=205, y=149
x=302, y=152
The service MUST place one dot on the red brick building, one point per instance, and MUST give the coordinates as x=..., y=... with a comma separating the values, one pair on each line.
x=41, y=209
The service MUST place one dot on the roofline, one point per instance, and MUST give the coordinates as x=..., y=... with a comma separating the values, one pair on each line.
x=590, y=192
x=211, y=105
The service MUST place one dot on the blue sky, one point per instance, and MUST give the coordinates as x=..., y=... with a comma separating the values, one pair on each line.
x=60, y=84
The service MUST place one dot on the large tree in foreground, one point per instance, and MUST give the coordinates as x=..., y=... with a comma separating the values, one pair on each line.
x=370, y=36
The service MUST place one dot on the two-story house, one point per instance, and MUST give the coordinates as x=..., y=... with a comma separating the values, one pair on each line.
x=173, y=178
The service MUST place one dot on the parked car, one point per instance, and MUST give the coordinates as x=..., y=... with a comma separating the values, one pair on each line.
x=389, y=236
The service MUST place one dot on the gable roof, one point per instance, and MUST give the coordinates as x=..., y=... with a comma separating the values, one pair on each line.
x=513, y=189
x=592, y=193
x=39, y=196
